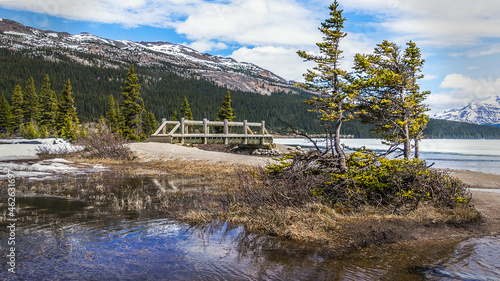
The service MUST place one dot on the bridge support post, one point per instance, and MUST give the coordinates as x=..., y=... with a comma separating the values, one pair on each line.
x=263, y=129
x=183, y=129
x=226, y=131
x=245, y=131
x=205, y=130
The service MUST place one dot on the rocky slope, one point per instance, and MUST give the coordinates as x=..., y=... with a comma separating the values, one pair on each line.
x=93, y=50
x=484, y=112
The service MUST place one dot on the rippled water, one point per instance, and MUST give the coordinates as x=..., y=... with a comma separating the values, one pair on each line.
x=65, y=239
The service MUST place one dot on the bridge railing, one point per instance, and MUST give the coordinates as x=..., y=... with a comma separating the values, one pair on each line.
x=184, y=124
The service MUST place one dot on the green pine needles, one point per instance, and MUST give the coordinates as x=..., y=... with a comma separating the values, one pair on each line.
x=382, y=91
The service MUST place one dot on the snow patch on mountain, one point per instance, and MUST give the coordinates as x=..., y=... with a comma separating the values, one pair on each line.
x=180, y=59
x=483, y=112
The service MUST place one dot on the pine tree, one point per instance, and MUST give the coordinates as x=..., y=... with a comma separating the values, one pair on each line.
x=30, y=102
x=225, y=112
x=68, y=130
x=17, y=109
x=174, y=118
x=112, y=115
x=132, y=107
x=391, y=99
x=5, y=116
x=185, y=110
x=66, y=108
x=152, y=123
x=47, y=105
x=330, y=82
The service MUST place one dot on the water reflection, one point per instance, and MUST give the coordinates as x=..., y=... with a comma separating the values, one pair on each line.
x=112, y=231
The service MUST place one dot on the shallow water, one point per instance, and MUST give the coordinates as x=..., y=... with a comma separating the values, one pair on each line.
x=477, y=155
x=62, y=237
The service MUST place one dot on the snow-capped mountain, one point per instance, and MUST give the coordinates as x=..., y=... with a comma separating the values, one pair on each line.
x=484, y=112
x=93, y=50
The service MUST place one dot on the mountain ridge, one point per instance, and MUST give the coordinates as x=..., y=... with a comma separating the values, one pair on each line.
x=182, y=60
x=483, y=112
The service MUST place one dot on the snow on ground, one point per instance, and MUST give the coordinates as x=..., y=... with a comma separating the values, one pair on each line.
x=18, y=149
x=14, y=150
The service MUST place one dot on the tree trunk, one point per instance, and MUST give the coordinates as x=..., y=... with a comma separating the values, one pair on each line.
x=407, y=142
x=338, y=148
x=417, y=148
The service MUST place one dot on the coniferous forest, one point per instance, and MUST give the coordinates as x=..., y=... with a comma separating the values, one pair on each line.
x=163, y=94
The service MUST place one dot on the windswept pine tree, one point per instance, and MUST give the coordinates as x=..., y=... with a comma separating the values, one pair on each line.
x=5, y=117
x=391, y=99
x=330, y=82
x=48, y=105
x=132, y=108
x=30, y=102
x=17, y=109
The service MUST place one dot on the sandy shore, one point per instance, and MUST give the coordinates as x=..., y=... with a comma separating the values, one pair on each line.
x=153, y=151
x=486, y=202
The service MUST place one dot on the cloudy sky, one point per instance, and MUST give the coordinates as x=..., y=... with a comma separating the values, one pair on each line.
x=460, y=39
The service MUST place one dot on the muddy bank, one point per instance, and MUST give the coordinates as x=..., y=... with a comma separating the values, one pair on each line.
x=377, y=232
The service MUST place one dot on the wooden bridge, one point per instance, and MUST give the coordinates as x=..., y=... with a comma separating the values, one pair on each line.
x=198, y=132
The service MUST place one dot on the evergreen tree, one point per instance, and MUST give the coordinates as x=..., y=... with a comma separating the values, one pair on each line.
x=226, y=111
x=17, y=109
x=152, y=123
x=66, y=108
x=174, y=118
x=48, y=105
x=391, y=99
x=5, y=116
x=330, y=82
x=68, y=130
x=185, y=110
x=132, y=107
x=30, y=130
x=112, y=115
x=30, y=102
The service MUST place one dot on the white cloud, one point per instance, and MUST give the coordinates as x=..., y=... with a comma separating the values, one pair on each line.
x=444, y=22
x=429, y=77
x=250, y=22
x=129, y=13
x=280, y=60
x=206, y=46
x=473, y=88
x=460, y=90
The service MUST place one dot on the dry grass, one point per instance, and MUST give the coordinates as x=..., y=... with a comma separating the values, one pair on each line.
x=206, y=192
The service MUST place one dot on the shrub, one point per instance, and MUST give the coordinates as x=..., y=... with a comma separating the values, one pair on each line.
x=102, y=143
x=395, y=184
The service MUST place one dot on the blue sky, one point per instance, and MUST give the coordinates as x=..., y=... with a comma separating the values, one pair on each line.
x=459, y=39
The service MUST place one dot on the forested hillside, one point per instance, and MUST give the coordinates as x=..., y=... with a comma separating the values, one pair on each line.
x=163, y=93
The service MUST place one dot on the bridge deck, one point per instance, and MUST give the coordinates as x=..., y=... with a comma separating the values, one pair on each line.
x=248, y=138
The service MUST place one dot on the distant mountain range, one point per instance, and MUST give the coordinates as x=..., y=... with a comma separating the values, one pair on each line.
x=92, y=50
x=484, y=112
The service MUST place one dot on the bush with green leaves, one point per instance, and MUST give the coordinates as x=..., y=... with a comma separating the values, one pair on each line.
x=394, y=184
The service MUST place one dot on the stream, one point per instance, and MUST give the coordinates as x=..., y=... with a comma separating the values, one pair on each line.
x=91, y=237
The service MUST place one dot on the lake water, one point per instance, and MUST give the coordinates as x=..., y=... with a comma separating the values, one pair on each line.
x=60, y=238
x=108, y=231
x=472, y=155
